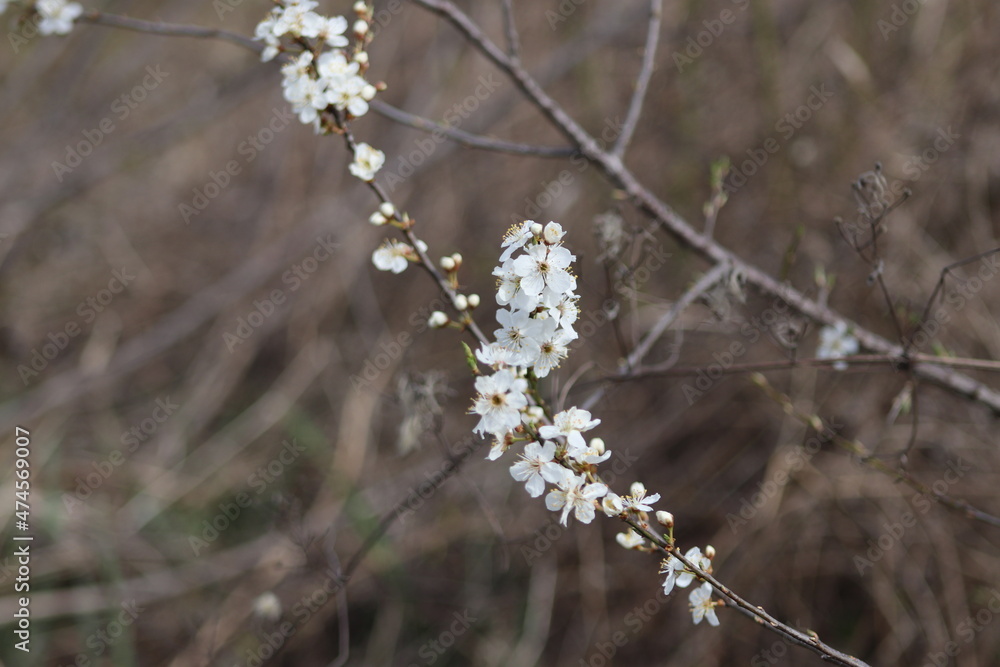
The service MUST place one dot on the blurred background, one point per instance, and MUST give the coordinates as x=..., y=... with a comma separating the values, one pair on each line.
x=224, y=396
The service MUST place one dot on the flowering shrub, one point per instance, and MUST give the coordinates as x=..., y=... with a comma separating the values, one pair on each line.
x=521, y=398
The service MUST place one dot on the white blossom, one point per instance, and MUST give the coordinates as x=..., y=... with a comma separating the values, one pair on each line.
x=515, y=238
x=702, y=605
x=571, y=424
x=537, y=467
x=57, y=16
x=836, y=342
x=630, y=540
x=571, y=494
x=545, y=266
x=392, y=256
x=501, y=397
x=367, y=162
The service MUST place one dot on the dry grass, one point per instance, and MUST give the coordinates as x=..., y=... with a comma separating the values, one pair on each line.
x=470, y=547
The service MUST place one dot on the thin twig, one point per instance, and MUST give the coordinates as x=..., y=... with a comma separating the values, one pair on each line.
x=467, y=138
x=642, y=81
x=645, y=345
x=510, y=28
x=867, y=457
x=679, y=228
x=169, y=29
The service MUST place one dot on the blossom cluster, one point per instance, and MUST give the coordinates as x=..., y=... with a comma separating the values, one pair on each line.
x=320, y=73
x=56, y=17
x=539, y=307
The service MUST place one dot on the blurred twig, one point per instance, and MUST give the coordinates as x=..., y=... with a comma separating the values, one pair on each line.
x=679, y=228
x=467, y=138
x=642, y=81
x=868, y=458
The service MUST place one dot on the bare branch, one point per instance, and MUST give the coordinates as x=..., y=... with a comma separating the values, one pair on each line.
x=169, y=29
x=642, y=82
x=467, y=138
x=680, y=229
x=510, y=28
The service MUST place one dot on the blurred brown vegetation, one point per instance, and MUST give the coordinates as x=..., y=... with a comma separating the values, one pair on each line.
x=470, y=547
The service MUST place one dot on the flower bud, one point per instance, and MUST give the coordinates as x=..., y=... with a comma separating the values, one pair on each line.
x=368, y=92
x=473, y=301
x=360, y=28
x=709, y=552
x=553, y=233
x=437, y=320
x=387, y=209
x=447, y=264
x=536, y=228
x=461, y=302
x=637, y=489
x=267, y=606
x=612, y=505
x=360, y=8
x=597, y=444
x=361, y=58
x=665, y=519
x=458, y=259
x=377, y=219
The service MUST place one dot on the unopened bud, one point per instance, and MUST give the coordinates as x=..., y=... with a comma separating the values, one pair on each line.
x=666, y=519
x=536, y=228
x=447, y=264
x=361, y=58
x=387, y=209
x=473, y=301
x=437, y=320
x=597, y=444
x=709, y=552
x=637, y=489
x=457, y=257
x=360, y=8
x=461, y=302
x=360, y=28
x=377, y=219
x=267, y=606
x=368, y=92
